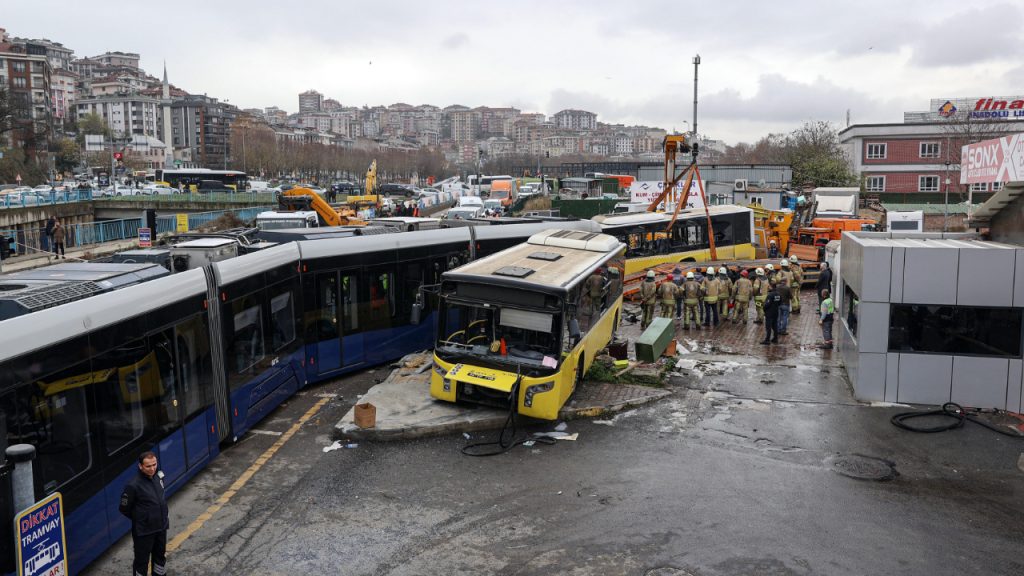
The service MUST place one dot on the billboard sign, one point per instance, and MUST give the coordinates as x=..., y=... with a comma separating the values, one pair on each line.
x=645, y=191
x=996, y=160
x=145, y=238
x=42, y=546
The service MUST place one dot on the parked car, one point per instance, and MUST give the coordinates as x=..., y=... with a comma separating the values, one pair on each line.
x=464, y=213
x=159, y=190
x=397, y=190
x=470, y=201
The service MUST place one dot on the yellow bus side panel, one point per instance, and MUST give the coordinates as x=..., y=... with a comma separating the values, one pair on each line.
x=737, y=252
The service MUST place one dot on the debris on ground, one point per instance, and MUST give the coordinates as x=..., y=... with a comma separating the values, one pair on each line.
x=333, y=447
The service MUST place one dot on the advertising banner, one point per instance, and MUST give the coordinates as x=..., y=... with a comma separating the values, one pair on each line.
x=996, y=160
x=646, y=191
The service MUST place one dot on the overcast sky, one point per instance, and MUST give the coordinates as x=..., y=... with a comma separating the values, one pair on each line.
x=765, y=66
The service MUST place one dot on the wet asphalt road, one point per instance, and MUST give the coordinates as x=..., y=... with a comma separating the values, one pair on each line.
x=735, y=473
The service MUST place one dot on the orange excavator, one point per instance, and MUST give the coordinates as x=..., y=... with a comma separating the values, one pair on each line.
x=306, y=199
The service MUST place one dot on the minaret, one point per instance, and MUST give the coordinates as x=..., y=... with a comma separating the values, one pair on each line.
x=166, y=108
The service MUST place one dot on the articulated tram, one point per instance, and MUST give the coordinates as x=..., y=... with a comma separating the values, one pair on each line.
x=183, y=363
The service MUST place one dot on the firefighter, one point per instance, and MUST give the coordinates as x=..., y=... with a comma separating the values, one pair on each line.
x=691, y=298
x=667, y=295
x=648, y=296
x=798, y=280
x=595, y=290
x=742, y=290
x=760, y=287
x=773, y=249
x=784, y=287
x=725, y=285
x=769, y=273
x=712, y=290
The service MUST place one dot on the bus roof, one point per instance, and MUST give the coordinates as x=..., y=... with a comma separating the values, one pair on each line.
x=551, y=260
x=640, y=218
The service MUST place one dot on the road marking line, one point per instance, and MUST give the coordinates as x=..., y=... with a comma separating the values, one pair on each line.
x=221, y=502
x=266, y=432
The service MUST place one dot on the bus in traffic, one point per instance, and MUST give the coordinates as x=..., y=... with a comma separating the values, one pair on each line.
x=650, y=242
x=193, y=179
x=517, y=330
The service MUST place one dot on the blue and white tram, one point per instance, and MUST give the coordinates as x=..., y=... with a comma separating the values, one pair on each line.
x=179, y=364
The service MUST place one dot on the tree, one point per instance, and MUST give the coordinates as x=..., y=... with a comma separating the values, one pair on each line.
x=813, y=151
x=7, y=112
x=67, y=155
x=92, y=124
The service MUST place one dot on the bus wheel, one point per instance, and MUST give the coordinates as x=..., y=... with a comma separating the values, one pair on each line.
x=580, y=365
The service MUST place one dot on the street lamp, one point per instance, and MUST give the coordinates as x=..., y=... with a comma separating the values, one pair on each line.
x=945, y=204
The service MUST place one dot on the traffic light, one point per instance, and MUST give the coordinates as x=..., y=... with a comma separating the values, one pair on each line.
x=118, y=156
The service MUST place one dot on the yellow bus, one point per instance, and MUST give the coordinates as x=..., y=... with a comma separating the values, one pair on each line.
x=518, y=329
x=648, y=244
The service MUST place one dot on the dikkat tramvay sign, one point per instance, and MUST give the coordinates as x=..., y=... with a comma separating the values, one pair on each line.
x=997, y=160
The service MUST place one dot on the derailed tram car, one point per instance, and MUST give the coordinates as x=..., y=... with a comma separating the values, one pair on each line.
x=187, y=362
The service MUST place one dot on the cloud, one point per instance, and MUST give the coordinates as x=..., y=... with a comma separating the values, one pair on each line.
x=455, y=41
x=972, y=36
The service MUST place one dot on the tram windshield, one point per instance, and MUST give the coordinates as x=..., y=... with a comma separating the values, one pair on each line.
x=499, y=334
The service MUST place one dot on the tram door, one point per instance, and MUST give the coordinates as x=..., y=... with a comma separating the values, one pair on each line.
x=338, y=337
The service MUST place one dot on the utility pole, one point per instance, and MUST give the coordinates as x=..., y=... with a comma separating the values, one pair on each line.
x=696, y=63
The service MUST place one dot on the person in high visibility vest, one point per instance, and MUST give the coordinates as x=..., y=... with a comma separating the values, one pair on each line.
x=828, y=311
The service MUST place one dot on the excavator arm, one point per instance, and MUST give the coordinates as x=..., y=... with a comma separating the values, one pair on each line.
x=330, y=216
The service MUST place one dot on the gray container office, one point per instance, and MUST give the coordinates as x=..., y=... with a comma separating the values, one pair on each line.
x=931, y=318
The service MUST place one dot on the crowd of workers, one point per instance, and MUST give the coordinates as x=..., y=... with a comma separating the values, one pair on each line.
x=714, y=296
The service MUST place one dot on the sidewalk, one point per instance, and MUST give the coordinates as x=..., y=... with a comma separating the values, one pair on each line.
x=405, y=409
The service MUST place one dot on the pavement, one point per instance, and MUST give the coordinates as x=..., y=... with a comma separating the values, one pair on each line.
x=405, y=410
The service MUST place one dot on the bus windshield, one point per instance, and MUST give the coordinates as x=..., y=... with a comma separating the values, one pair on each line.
x=529, y=336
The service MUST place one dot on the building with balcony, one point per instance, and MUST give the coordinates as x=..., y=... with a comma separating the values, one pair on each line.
x=26, y=75
x=311, y=101
x=575, y=120
x=124, y=114
x=200, y=129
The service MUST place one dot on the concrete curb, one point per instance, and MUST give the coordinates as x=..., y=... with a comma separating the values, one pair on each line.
x=405, y=410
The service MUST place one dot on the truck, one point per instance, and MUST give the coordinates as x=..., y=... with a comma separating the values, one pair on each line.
x=504, y=190
x=304, y=199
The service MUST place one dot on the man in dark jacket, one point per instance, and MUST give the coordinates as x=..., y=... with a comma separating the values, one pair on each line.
x=144, y=503
x=824, y=281
x=772, y=302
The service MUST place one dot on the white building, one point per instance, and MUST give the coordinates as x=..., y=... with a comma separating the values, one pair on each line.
x=124, y=114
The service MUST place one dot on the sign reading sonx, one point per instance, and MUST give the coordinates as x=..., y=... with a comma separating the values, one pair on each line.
x=996, y=160
x=42, y=546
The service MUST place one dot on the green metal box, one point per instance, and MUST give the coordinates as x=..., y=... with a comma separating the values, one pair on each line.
x=654, y=340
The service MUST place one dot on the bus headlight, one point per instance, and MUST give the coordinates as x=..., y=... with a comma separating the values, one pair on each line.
x=447, y=385
x=536, y=389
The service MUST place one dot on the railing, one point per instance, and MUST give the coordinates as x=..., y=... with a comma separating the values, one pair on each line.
x=29, y=199
x=35, y=240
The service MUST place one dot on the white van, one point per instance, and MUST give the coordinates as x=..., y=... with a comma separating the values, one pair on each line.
x=471, y=201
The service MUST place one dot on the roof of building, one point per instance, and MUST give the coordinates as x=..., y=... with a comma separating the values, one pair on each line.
x=984, y=214
x=963, y=208
x=958, y=240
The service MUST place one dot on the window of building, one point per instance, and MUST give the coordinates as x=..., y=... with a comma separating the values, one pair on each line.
x=18, y=82
x=979, y=187
x=876, y=151
x=928, y=183
x=18, y=66
x=929, y=150
x=961, y=330
x=997, y=186
x=851, y=303
x=875, y=184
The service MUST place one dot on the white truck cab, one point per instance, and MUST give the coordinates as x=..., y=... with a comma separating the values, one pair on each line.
x=277, y=220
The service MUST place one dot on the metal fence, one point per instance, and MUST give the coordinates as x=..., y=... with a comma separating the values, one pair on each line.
x=30, y=199
x=35, y=240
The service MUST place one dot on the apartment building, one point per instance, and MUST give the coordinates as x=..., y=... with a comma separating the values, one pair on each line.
x=26, y=74
x=575, y=120
x=311, y=101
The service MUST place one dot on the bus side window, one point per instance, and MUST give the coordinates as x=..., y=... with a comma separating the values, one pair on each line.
x=164, y=412
x=194, y=371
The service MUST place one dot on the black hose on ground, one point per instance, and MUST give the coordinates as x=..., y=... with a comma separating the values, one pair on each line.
x=512, y=442
x=949, y=410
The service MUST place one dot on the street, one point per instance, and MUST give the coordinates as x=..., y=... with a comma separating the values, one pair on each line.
x=752, y=466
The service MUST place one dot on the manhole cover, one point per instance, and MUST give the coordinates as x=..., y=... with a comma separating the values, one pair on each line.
x=861, y=467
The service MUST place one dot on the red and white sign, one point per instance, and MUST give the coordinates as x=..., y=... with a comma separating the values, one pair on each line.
x=997, y=160
x=18, y=178
x=645, y=191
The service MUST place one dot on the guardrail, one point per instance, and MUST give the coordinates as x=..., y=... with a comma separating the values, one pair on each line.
x=35, y=240
x=28, y=200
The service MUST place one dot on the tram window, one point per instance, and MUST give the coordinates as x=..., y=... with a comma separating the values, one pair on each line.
x=163, y=412
x=350, y=301
x=382, y=298
x=412, y=279
x=192, y=343
x=282, y=320
x=326, y=314
x=51, y=415
x=247, y=340
x=126, y=377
